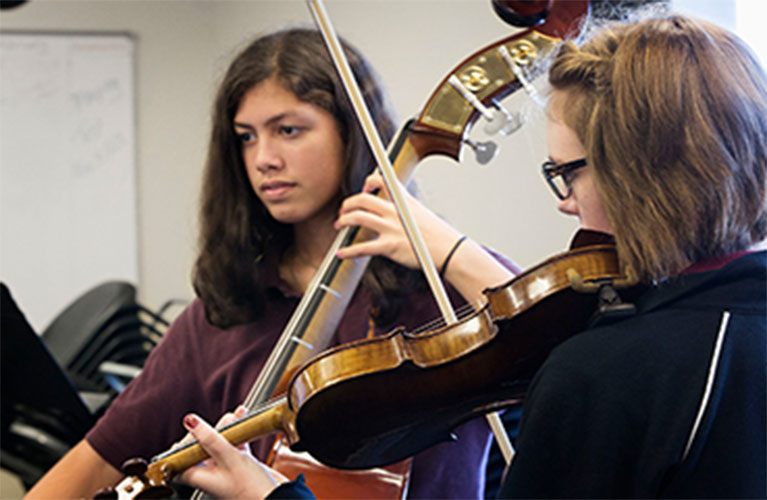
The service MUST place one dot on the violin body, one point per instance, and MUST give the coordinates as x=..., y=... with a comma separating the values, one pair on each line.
x=399, y=394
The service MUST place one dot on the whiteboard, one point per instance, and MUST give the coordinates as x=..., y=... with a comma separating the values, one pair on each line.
x=67, y=167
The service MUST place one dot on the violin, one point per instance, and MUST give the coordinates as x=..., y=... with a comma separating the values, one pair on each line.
x=479, y=365
x=343, y=407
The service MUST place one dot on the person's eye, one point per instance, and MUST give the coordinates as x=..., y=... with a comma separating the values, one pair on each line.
x=570, y=176
x=289, y=130
x=246, y=137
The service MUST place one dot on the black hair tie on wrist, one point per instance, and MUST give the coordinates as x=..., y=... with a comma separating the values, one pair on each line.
x=450, y=255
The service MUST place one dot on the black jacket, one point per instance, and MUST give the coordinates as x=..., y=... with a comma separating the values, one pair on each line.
x=670, y=402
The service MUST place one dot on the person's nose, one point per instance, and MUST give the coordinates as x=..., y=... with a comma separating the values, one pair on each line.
x=568, y=206
x=267, y=156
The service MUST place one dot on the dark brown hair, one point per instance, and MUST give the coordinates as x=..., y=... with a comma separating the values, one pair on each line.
x=236, y=228
x=673, y=115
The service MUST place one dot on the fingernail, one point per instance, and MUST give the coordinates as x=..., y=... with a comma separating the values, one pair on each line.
x=338, y=254
x=190, y=421
x=241, y=410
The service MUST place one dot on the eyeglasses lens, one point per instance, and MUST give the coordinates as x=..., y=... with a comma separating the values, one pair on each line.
x=560, y=185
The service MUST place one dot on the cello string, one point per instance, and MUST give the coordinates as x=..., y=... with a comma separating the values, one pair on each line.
x=365, y=121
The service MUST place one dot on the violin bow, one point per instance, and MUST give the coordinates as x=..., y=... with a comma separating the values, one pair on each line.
x=323, y=23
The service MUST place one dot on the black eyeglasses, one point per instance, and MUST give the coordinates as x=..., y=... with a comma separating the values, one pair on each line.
x=560, y=177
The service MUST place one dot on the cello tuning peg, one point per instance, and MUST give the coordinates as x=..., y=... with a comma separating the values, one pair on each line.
x=497, y=118
x=484, y=151
x=496, y=122
x=513, y=123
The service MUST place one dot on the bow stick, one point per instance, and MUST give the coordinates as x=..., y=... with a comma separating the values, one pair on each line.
x=323, y=23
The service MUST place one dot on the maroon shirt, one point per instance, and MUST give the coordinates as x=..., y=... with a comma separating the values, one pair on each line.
x=200, y=368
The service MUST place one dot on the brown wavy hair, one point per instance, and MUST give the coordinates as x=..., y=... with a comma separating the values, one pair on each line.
x=236, y=228
x=673, y=115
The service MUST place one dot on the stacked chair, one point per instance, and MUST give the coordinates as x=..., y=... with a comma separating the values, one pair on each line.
x=103, y=338
x=56, y=385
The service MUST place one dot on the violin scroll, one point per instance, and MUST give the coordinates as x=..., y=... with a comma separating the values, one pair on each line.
x=140, y=482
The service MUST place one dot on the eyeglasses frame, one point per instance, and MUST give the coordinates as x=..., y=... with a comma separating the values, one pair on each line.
x=551, y=170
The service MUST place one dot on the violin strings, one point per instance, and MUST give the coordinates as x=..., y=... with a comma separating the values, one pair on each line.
x=462, y=312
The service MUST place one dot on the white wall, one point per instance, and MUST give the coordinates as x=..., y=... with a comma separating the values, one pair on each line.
x=173, y=51
x=184, y=45
x=721, y=12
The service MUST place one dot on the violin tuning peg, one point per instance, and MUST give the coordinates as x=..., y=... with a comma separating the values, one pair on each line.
x=134, y=467
x=106, y=494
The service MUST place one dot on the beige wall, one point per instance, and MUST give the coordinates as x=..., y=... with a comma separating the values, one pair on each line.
x=184, y=45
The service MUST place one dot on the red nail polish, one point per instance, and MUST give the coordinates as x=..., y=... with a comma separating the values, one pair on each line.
x=190, y=421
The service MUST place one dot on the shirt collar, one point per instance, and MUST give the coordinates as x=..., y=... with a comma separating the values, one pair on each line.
x=714, y=263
